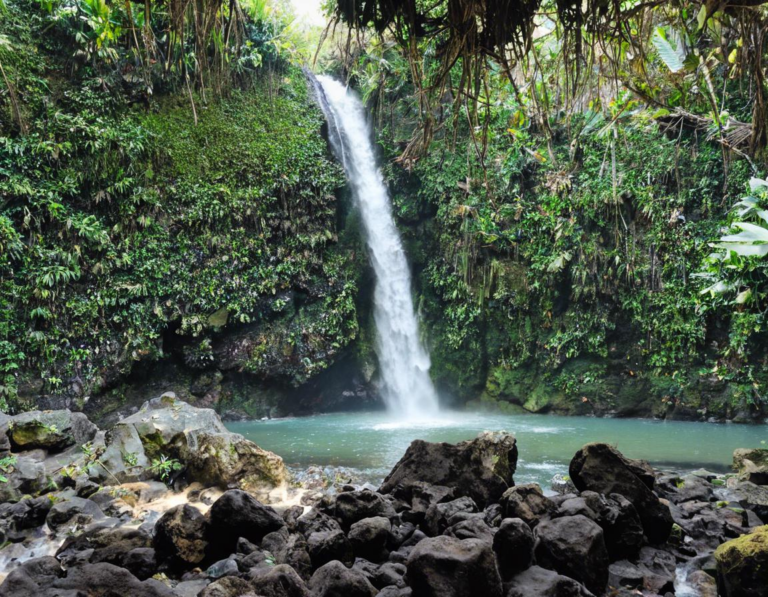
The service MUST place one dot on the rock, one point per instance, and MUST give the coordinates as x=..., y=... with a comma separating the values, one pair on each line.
x=280, y=581
x=327, y=546
x=123, y=458
x=474, y=527
x=574, y=546
x=141, y=562
x=436, y=520
x=622, y=529
x=482, y=468
x=224, y=459
x=742, y=565
x=751, y=465
x=369, y=538
x=45, y=578
x=513, y=544
x=26, y=514
x=26, y=477
x=625, y=574
x=108, y=544
x=753, y=497
x=223, y=568
x=229, y=586
x=526, y=502
x=199, y=439
x=180, y=537
x=603, y=469
x=336, y=580
x=353, y=506
x=237, y=514
x=316, y=521
x=420, y=496
x=693, y=488
x=448, y=567
x=73, y=511
x=52, y=430
x=576, y=505
x=191, y=588
x=539, y=582
x=659, y=570
x=389, y=574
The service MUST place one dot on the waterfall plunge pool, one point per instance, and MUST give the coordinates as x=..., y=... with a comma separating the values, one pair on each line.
x=371, y=443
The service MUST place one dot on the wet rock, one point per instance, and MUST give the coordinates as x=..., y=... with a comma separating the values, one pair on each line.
x=539, y=582
x=369, y=538
x=50, y=430
x=316, y=521
x=659, y=570
x=73, y=511
x=436, y=520
x=742, y=565
x=751, y=465
x=180, y=537
x=336, y=580
x=513, y=544
x=26, y=477
x=526, y=502
x=26, y=514
x=327, y=546
x=603, y=469
x=280, y=581
x=237, y=514
x=353, y=506
x=693, y=488
x=223, y=568
x=482, y=468
x=574, y=546
x=448, y=567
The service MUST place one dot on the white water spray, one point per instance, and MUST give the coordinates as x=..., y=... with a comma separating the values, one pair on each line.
x=406, y=386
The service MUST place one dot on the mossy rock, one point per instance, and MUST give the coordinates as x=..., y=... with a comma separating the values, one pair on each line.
x=742, y=565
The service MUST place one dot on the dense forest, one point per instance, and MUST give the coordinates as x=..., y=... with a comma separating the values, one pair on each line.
x=579, y=187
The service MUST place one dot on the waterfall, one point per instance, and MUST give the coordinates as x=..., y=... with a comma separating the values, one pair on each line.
x=403, y=361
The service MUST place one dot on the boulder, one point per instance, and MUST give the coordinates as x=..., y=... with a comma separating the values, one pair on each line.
x=751, y=465
x=752, y=497
x=471, y=527
x=44, y=577
x=316, y=521
x=438, y=515
x=25, y=477
x=574, y=546
x=107, y=544
x=238, y=514
x=603, y=469
x=229, y=586
x=482, y=468
x=449, y=567
x=327, y=546
x=539, y=582
x=369, y=538
x=180, y=537
x=27, y=514
x=73, y=511
x=199, y=439
x=123, y=457
x=526, y=502
x=353, y=506
x=742, y=565
x=513, y=544
x=280, y=581
x=624, y=573
x=622, y=528
x=52, y=430
x=334, y=579
x=659, y=570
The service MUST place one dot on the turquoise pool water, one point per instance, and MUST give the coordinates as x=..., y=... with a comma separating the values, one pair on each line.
x=371, y=443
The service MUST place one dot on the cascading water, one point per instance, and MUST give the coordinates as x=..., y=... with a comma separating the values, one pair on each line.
x=406, y=386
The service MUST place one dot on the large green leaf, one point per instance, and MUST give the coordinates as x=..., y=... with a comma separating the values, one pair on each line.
x=671, y=51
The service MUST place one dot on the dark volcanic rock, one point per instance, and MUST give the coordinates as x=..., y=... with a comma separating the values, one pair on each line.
x=180, y=537
x=280, y=581
x=327, y=546
x=513, y=544
x=369, y=538
x=336, y=580
x=574, y=546
x=539, y=582
x=526, y=502
x=449, y=567
x=237, y=514
x=353, y=506
x=74, y=510
x=438, y=515
x=481, y=468
x=603, y=469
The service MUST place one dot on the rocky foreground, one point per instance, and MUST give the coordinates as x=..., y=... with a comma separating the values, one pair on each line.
x=448, y=520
